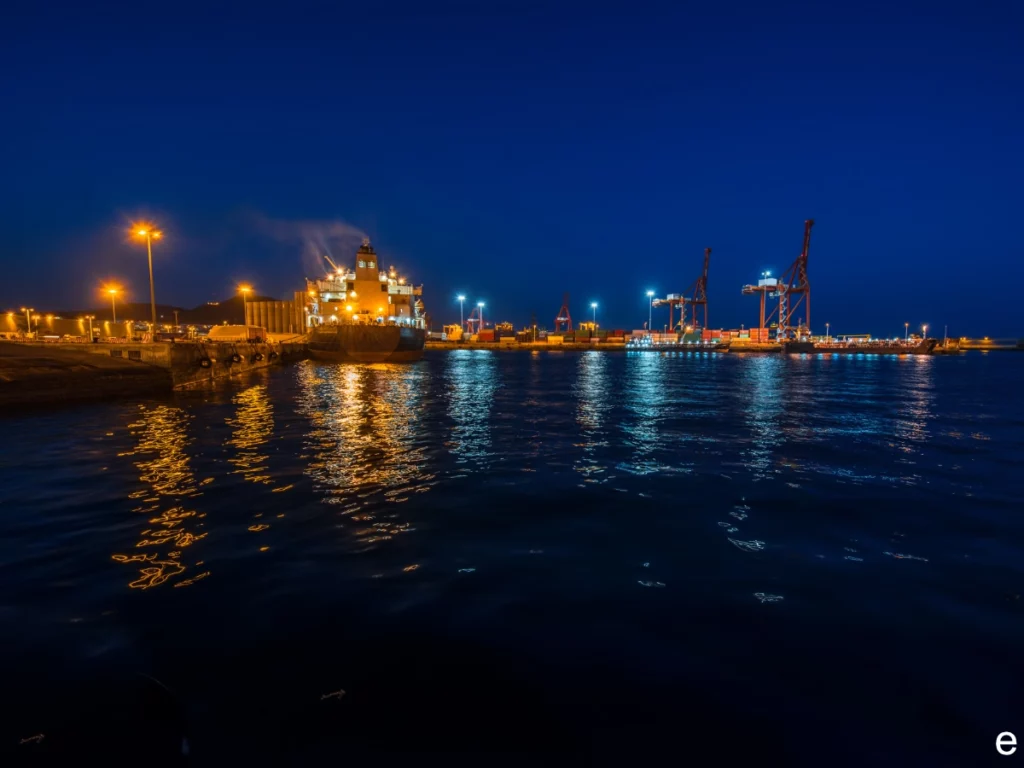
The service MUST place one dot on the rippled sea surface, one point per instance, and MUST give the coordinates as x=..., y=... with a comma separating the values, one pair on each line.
x=569, y=555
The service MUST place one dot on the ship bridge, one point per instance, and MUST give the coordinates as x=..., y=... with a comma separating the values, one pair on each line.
x=365, y=294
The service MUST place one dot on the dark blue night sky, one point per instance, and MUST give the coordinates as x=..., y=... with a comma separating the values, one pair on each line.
x=517, y=150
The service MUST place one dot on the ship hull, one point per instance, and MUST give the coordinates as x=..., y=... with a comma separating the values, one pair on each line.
x=799, y=347
x=366, y=343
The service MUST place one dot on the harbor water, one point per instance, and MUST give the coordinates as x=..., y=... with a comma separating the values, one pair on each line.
x=570, y=555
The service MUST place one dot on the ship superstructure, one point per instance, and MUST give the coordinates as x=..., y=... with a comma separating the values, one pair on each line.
x=365, y=295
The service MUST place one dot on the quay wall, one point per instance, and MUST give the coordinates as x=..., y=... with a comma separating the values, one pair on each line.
x=44, y=372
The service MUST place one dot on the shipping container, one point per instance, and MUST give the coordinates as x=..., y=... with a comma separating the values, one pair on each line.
x=555, y=339
x=487, y=335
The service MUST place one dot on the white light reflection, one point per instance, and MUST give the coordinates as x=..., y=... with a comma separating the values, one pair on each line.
x=762, y=375
x=916, y=388
x=646, y=374
x=471, y=381
x=593, y=401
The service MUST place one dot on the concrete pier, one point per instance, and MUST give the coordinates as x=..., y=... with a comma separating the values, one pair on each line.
x=38, y=372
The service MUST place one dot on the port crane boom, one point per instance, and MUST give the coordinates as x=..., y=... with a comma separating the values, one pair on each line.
x=792, y=290
x=699, y=291
x=564, y=320
x=474, y=322
x=696, y=296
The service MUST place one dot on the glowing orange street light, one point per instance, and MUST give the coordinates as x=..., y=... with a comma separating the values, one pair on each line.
x=244, y=289
x=28, y=317
x=113, y=290
x=150, y=233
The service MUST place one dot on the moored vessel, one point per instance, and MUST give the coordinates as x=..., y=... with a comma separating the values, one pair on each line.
x=365, y=314
x=869, y=347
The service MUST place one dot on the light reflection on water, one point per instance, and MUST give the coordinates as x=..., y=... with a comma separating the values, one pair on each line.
x=917, y=396
x=646, y=380
x=251, y=429
x=763, y=374
x=374, y=437
x=471, y=381
x=365, y=443
x=161, y=457
x=592, y=389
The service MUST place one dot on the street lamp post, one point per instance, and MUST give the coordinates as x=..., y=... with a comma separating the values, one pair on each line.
x=650, y=310
x=244, y=290
x=150, y=234
x=113, y=306
x=28, y=318
x=462, y=312
x=481, y=305
x=89, y=318
x=593, y=306
x=826, y=333
x=906, y=333
x=924, y=332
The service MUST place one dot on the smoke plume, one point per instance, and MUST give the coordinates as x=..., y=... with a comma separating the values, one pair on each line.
x=312, y=239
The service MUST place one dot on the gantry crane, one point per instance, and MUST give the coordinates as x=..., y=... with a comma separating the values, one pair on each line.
x=473, y=321
x=768, y=288
x=564, y=319
x=792, y=290
x=696, y=296
x=700, y=292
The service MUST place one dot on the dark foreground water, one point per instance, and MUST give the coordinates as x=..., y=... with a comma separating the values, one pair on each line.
x=573, y=556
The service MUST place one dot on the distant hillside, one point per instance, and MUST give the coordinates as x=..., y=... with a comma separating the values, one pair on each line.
x=205, y=314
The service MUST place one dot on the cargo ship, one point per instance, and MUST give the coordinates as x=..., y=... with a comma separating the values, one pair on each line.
x=365, y=314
